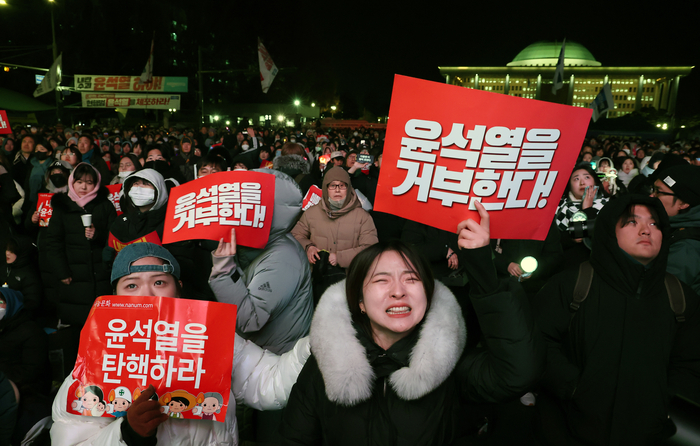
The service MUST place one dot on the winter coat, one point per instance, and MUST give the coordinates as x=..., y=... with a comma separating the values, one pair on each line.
x=272, y=287
x=292, y=165
x=24, y=350
x=420, y=391
x=612, y=365
x=22, y=275
x=433, y=244
x=70, y=254
x=684, y=253
x=187, y=164
x=345, y=232
x=8, y=196
x=259, y=379
x=36, y=177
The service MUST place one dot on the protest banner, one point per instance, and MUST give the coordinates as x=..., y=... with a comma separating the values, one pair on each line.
x=115, y=191
x=4, y=123
x=164, y=84
x=183, y=347
x=43, y=207
x=447, y=147
x=207, y=208
x=312, y=197
x=125, y=100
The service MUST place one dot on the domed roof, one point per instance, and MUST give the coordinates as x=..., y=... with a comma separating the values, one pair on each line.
x=546, y=53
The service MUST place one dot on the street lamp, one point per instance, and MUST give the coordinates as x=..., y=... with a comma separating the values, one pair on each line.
x=313, y=104
x=333, y=107
x=296, y=102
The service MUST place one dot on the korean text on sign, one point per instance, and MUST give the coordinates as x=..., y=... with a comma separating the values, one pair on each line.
x=209, y=207
x=447, y=147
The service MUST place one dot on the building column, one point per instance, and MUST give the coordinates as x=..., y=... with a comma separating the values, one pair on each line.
x=663, y=104
x=476, y=82
x=674, y=95
x=570, y=98
x=539, y=87
x=506, y=89
x=638, y=99
x=447, y=79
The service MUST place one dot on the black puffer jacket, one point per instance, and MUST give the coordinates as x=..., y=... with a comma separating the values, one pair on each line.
x=22, y=275
x=72, y=255
x=420, y=391
x=611, y=367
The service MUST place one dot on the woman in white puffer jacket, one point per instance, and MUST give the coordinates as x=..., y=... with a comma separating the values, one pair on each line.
x=260, y=379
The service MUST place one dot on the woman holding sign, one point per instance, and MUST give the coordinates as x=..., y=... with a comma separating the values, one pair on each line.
x=388, y=363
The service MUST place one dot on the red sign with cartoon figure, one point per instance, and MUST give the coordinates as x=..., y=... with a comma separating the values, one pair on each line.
x=447, y=147
x=209, y=207
x=183, y=347
x=115, y=192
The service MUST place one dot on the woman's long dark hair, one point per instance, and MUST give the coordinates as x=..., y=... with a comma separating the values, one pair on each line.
x=359, y=270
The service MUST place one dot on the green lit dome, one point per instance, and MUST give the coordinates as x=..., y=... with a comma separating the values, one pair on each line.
x=546, y=53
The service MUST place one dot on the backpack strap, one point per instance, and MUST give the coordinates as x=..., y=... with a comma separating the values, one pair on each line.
x=676, y=296
x=583, y=286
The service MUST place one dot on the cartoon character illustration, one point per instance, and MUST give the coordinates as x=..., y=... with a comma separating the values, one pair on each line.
x=176, y=402
x=121, y=399
x=90, y=401
x=208, y=404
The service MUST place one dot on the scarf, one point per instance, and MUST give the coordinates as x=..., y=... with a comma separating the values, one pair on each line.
x=82, y=201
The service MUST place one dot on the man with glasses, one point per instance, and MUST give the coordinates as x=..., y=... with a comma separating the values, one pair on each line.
x=678, y=189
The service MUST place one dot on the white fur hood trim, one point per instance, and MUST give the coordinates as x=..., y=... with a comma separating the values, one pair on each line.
x=348, y=375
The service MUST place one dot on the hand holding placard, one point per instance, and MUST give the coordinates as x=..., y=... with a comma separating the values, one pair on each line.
x=474, y=235
x=144, y=415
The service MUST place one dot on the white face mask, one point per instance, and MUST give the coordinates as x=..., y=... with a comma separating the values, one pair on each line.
x=292, y=140
x=125, y=174
x=245, y=146
x=134, y=139
x=2, y=313
x=142, y=196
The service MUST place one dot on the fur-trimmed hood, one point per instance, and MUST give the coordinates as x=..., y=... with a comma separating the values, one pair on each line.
x=292, y=165
x=347, y=374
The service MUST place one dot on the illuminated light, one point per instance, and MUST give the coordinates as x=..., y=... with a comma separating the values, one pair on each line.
x=313, y=104
x=333, y=107
x=280, y=118
x=664, y=127
x=297, y=102
x=682, y=126
x=228, y=122
x=528, y=264
x=6, y=68
x=216, y=118
x=3, y=2
x=658, y=125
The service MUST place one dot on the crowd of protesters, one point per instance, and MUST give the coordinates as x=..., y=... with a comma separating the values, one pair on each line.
x=562, y=371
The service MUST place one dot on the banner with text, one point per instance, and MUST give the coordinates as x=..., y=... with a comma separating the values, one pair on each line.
x=123, y=100
x=183, y=347
x=209, y=207
x=115, y=192
x=87, y=82
x=4, y=123
x=448, y=146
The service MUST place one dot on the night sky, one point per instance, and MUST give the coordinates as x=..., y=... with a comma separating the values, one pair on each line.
x=349, y=51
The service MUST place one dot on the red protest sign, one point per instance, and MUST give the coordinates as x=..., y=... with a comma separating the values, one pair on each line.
x=4, y=123
x=118, y=245
x=43, y=207
x=447, y=147
x=114, y=194
x=209, y=207
x=183, y=347
x=312, y=198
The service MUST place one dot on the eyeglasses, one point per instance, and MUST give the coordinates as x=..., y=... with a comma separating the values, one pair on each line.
x=341, y=186
x=656, y=191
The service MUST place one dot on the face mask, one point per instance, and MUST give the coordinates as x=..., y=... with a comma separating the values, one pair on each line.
x=142, y=196
x=125, y=174
x=318, y=148
x=41, y=156
x=134, y=139
x=2, y=313
x=165, y=138
x=292, y=140
x=245, y=146
x=58, y=180
x=354, y=133
x=278, y=152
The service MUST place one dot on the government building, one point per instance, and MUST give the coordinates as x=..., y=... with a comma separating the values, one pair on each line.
x=530, y=75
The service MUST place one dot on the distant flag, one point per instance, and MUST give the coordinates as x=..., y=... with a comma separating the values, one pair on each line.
x=147, y=75
x=268, y=69
x=603, y=102
x=52, y=78
x=559, y=72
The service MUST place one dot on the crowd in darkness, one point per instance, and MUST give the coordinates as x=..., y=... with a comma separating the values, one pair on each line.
x=589, y=349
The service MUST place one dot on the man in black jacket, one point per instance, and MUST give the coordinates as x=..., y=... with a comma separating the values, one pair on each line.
x=613, y=363
x=86, y=146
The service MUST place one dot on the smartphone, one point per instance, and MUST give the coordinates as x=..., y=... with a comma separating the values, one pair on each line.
x=365, y=158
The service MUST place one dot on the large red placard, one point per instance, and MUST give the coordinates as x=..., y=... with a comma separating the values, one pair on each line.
x=183, y=347
x=447, y=147
x=209, y=207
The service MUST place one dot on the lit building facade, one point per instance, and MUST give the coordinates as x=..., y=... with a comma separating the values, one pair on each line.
x=530, y=75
